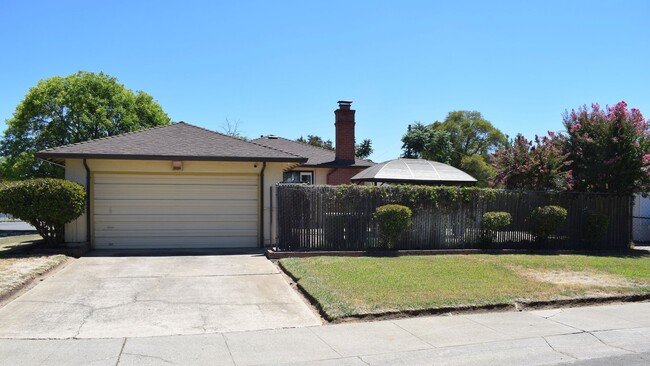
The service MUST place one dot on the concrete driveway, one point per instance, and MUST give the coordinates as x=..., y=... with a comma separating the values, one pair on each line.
x=106, y=296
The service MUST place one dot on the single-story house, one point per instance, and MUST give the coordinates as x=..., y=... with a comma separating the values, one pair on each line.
x=183, y=186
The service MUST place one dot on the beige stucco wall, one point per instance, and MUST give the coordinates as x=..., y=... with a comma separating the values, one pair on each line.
x=76, y=230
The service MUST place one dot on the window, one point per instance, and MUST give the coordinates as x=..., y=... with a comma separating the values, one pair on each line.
x=298, y=177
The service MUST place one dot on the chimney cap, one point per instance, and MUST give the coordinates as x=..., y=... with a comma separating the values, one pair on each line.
x=344, y=103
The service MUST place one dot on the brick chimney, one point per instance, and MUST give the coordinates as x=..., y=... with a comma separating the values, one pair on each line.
x=344, y=123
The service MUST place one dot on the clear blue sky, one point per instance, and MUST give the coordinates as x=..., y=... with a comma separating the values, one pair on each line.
x=280, y=66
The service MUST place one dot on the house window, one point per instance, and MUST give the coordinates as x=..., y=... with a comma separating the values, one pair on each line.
x=298, y=177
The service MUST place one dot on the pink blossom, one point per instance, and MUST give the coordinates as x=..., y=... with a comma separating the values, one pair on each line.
x=646, y=158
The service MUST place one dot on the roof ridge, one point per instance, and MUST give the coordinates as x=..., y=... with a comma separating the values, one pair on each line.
x=309, y=145
x=112, y=136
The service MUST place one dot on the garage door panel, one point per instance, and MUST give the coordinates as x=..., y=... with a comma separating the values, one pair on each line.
x=178, y=207
x=176, y=227
x=171, y=219
x=165, y=192
x=185, y=179
x=163, y=242
x=175, y=211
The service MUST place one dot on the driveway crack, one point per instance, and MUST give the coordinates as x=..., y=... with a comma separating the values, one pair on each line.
x=120, y=354
x=558, y=351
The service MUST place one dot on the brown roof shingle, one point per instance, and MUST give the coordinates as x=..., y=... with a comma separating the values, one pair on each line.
x=317, y=156
x=178, y=141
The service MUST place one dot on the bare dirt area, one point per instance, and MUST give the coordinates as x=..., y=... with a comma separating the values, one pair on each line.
x=571, y=278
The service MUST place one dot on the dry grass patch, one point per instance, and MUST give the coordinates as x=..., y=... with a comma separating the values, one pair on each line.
x=16, y=271
x=18, y=267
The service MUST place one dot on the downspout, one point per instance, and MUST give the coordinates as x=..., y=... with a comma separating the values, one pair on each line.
x=261, y=244
x=87, y=201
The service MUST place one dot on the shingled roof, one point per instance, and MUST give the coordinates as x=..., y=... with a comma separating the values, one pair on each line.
x=317, y=156
x=178, y=141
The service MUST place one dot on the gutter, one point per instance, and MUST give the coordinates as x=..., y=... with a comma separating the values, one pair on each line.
x=87, y=201
x=261, y=244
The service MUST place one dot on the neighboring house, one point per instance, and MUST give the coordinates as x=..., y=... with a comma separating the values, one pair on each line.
x=182, y=186
x=323, y=166
x=641, y=218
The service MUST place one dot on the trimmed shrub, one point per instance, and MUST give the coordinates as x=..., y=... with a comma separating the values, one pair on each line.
x=46, y=203
x=597, y=225
x=392, y=221
x=546, y=220
x=494, y=221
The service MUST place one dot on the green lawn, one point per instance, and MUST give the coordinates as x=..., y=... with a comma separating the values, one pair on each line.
x=345, y=286
x=15, y=242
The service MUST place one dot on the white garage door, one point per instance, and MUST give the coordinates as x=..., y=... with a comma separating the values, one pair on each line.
x=175, y=211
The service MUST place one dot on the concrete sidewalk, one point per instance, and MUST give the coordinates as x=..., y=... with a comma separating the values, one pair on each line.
x=610, y=334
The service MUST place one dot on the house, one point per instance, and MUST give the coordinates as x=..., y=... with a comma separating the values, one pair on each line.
x=323, y=166
x=182, y=186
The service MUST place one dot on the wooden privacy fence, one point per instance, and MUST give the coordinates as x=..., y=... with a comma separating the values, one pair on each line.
x=340, y=217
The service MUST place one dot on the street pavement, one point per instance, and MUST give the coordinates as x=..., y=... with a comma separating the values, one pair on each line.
x=10, y=226
x=616, y=334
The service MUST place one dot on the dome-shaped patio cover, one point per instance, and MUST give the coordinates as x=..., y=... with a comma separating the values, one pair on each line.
x=414, y=171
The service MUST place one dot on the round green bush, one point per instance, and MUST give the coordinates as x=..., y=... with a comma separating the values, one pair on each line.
x=493, y=221
x=546, y=220
x=46, y=203
x=392, y=221
x=597, y=225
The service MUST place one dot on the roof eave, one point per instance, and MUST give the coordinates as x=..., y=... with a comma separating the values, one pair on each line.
x=59, y=156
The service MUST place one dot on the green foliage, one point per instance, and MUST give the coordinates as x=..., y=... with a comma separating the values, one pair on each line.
x=609, y=149
x=364, y=149
x=414, y=195
x=71, y=109
x=477, y=166
x=421, y=141
x=547, y=220
x=46, y=203
x=494, y=221
x=541, y=165
x=597, y=225
x=470, y=134
x=392, y=221
x=317, y=141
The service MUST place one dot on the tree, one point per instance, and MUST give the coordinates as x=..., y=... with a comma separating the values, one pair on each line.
x=609, y=149
x=538, y=166
x=470, y=134
x=477, y=167
x=364, y=149
x=421, y=141
x=71, y=109
x=317, y=141
x=231, y=128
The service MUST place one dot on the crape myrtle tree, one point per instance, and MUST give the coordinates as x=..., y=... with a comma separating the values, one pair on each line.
x=609, y=149
x=71, y=109
x=601, y=151
x=537, y=165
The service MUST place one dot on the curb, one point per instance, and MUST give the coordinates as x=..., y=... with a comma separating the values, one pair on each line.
x=272, y=254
